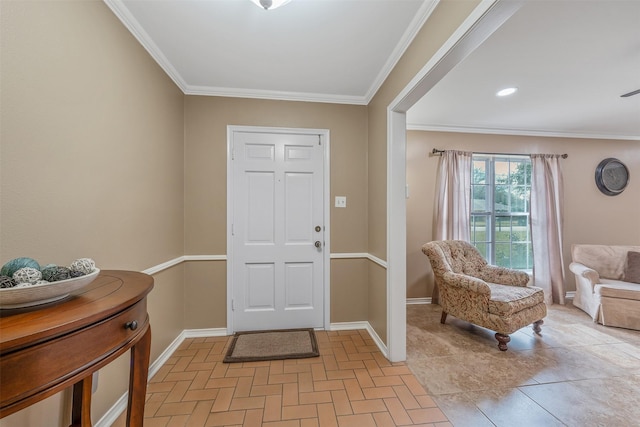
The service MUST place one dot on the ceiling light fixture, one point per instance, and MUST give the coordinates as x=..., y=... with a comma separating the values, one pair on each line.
x=507, y=91
x=270, y=4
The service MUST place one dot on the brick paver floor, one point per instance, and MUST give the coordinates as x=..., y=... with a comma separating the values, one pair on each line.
x=350, y=384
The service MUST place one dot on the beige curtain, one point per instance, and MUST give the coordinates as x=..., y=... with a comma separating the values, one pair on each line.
x=547, y=216
x=452, y=209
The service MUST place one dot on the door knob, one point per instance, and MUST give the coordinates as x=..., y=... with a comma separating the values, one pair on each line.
x=318, y=243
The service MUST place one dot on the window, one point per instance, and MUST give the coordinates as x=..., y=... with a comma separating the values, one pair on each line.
x=500, y=188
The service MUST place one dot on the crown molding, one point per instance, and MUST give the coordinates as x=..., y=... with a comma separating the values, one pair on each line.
x=274, y=95
x=520, y=132
x=123, y=14
x=427, y=8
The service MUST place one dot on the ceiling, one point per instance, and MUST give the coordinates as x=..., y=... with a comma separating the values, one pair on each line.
x=571, y=60
x=313, y=50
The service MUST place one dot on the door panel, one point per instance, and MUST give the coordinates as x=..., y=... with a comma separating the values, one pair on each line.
x=298, y=204
x=260, y=287
x=298, y=290
x=277, y=196
x=260, y=198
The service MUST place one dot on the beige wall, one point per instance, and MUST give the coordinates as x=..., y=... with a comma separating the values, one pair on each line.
x=91, y=147
x=590, y=216
x=349, y=290
x=446, y=18
x=206, y=124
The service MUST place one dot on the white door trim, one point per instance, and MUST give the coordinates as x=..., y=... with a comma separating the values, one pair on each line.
x=485, y=19
x=325, y=136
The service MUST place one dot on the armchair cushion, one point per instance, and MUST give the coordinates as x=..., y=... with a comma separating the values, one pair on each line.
x=632, y=267
x=507, y=300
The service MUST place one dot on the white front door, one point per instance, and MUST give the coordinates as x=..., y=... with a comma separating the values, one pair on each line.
x=277, y=230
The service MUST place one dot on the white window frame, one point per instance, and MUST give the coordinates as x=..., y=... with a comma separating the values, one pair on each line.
x=491, y=215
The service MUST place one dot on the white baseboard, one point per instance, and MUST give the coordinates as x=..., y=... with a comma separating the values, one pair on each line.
x=203, y=333
x=412, y=301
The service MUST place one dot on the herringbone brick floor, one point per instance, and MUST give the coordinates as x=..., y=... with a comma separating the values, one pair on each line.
x=350, y=384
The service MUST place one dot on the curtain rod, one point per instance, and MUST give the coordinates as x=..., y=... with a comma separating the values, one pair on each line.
x=439, y=153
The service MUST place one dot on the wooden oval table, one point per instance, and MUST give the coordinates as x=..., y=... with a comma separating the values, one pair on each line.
x=47, y=348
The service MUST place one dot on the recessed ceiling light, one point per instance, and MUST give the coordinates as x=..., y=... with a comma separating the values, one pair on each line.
x=507, y=91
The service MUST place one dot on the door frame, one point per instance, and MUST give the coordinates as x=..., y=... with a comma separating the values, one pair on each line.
x=483, y=21
x=326, y=211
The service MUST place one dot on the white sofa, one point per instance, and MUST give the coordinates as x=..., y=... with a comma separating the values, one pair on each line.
x=601, y=289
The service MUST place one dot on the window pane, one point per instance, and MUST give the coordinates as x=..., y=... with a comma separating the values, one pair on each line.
x=483, y=248
x=520, y=171
x=503, y=229
x=479, y=229
x=521, y=256
x=501, y=198
x=501, y=171
x=500, y=191
x=479, y=198
x=518, y=202
x=503, y=254
x=520, y=228
x=479, y=172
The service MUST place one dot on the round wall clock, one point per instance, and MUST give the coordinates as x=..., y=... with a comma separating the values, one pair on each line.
x=612, y=176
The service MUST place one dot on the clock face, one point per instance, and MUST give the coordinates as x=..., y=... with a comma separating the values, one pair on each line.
x=612, y=176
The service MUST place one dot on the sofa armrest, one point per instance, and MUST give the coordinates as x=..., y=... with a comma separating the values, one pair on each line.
x=469, y=283
x=504, y=276
x=582, y=270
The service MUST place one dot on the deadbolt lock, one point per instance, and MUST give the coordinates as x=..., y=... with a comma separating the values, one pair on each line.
x=318, y=228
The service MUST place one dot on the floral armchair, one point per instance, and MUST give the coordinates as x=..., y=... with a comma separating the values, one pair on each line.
x=493, y=297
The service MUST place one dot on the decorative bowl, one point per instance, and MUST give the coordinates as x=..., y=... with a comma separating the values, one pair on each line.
x=41, y=294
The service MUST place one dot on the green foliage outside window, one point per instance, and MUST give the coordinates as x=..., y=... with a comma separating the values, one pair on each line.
x=500, y=192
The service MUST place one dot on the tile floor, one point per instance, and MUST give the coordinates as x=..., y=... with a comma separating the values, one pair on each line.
x=576, y=374
x=350, y=384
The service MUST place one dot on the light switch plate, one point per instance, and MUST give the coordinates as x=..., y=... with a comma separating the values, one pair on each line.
x=341, y=201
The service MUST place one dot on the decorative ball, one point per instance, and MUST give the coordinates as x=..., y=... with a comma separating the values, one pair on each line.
x=74, y=273
x=55, y=273
x=41, y=282
x=27, y=275
x=16, y=264
x=7, y=282
x=83, y=265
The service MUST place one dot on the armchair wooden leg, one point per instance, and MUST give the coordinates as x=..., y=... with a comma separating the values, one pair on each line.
x=443, y=318
x=502, y=341
x=536, y=326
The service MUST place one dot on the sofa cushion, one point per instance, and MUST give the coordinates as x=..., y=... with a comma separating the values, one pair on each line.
x=618, y=289
x=632, y=267
x=506, y=300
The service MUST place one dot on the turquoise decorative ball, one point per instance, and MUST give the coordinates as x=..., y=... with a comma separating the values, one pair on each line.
x=16, y=264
